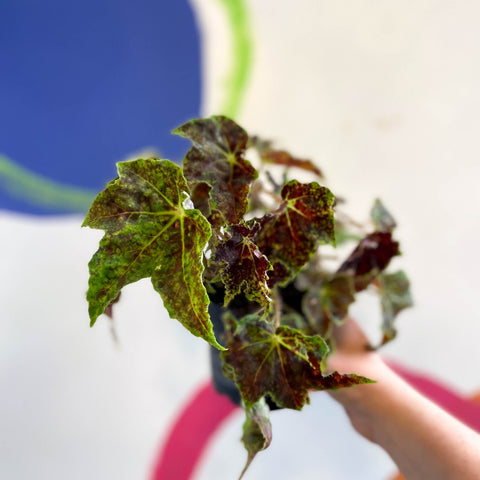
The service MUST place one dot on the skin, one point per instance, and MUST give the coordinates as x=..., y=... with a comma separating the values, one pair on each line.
x=423, y=440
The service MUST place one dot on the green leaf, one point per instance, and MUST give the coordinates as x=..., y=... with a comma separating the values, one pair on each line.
x=216, y=165
x=151, y=232
x=257, y=431
x=395, y=297
x=327, y=304
x=290, y=235
x=282, y=363
x=337, y=295
x=382, y=218
x=244, y=267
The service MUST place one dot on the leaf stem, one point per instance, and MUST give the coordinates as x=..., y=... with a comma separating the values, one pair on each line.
x=277, y=307
x=344, y=217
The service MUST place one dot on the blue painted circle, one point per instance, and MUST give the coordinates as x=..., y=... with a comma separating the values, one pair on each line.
x=84, y=84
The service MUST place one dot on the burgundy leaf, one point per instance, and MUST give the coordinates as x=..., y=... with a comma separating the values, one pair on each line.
x=216, y=159
x=244, y=267
x=282, y=363
x=290, y=235
x=370, y=257
x=281, y=157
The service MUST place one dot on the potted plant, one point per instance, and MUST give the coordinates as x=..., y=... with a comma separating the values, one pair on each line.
x=224, y=241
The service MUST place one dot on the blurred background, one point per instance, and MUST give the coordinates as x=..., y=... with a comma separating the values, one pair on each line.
x=383, y=96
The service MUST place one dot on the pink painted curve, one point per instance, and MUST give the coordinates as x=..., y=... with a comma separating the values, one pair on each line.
x=191, y=433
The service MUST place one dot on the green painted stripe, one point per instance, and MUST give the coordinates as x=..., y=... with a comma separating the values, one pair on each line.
x=241, y=56
x=37, y=190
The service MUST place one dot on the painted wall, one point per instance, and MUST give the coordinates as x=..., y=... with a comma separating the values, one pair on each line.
x=382, y=95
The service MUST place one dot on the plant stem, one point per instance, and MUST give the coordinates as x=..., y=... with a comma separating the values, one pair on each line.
x=277, y=307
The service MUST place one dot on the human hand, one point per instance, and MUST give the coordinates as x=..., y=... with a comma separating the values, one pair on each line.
x=362, y=403
x=423, y=440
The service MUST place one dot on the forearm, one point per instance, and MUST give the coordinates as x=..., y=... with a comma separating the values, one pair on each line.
x=423, y=440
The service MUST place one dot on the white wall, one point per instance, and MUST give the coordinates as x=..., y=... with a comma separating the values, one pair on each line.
x=384, y=95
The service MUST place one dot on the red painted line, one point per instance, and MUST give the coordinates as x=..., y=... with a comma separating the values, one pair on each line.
x=191, y=433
